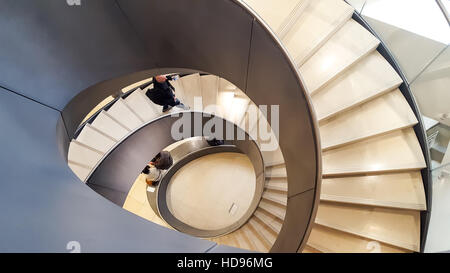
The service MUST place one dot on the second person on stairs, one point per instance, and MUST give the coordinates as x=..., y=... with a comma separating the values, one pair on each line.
x=163, y=94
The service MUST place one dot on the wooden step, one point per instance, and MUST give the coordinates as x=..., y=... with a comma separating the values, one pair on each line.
x=379, y=116
x=396, y=151
x=276, y=171
x=107, y=124
x=83, y=154
x=242, y=238
x=123, y=114
x=277, y=197
x=330, y=240
x=348, y=45
x=96, y=139
x=266, y=234
x=238, y=108
x=277, y=184
x=309, y=249
x=210, y=89
x=398, y=190
x=192, y=87
x=142, y=106
x=318, y=22
x=80, y=170
x=396, y=227
x=179, y=91
x=273, y=208
x=370, y=77
x=278, y=16
x=269, y=220
x=258, y=239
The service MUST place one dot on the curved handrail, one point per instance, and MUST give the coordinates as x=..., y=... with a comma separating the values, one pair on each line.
x=160, y=194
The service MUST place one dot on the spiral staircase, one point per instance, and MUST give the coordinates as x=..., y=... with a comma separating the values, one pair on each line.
x=372, y=191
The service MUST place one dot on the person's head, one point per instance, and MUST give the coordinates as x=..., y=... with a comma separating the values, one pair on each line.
x=163, y=161
x=160, y=78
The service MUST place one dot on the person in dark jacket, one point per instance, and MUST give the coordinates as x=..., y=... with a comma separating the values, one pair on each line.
x=162, y=93
x=155, y=170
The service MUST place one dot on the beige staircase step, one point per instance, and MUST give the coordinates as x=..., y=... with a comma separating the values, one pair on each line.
x=398, y=190
x=382, y=115
x=277, y=170
x=270, y=220
x=277, y=184
x=308, y=249
x=273, y=208
x=238, y=108
x=318, y=22
x=266, y=235
x=371, y=77
x=258, y=239
x=330, y=240
x=123, y=114
x=80, y=170
x=277, y=197
x=224, y=103
x=348, y=45
x=107, y=124
x=210, y=89
x=83, y=154
x=396, y=227
x=243, y=238
x=142, y=106
x=395, y=151
x=95, y=139
x=192, y=87
x=179, y=91
x=277, y=15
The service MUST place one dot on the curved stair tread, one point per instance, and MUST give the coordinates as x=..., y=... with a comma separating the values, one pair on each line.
x=277, y=197
x=107, y=124
x=330, y=240
x=275, y=15
x=123, y=114
x=264, y=233
x=276, y=170
x=395, y=151
x=80, y=170
x=192, y=88
x=398, y=190
x=277, y=185
x=396, y=227
x=142, y=106
x=371, y=77
x=83, y=154
x=273, y=208
x=210, y=89
x=96, y=139
x=319, y=21
x=309, y=249
x=337, y=54
x=269, y=220
x=379, y=116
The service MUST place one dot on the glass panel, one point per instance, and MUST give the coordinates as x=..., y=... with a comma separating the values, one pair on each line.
x=415, y=31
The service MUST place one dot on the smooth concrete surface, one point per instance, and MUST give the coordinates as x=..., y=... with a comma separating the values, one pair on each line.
x=61, y=50
x=213, y=191
x=44, y=205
